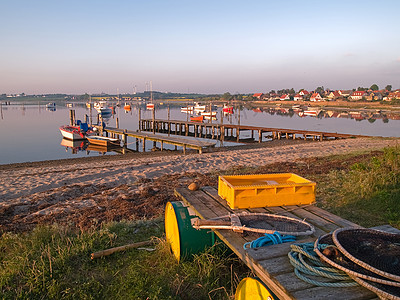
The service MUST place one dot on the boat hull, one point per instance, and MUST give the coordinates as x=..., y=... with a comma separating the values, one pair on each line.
x=72, y=133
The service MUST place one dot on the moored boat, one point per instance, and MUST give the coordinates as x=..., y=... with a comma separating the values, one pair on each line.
x=150, y=106
x=196, y=118
x=103, y=140
x=227, y=109
x=51, y=105
x=209, y=114
x=73, y=132
x=102, y=107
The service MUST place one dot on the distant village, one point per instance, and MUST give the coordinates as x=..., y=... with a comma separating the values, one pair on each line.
x=328, y=95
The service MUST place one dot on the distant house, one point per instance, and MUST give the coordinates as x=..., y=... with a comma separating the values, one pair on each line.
x=298, y=97
x=358, y=95
x=258, y=95
x=303, y=93
x=334, y=95
x=345, y=93
x=284, y=97
x=374, y=96
x=393, y=95
x=315, y=97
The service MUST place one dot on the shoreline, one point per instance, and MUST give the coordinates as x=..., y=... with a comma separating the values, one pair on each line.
x=87, y=191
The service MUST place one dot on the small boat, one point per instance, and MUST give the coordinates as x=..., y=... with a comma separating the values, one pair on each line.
x=103, y=140
x=74, y=132
x=150, y=106
x=213, y=118
x=75, y=146
x=199, y=108
x=187, y=110
x=51, y=105
x=209, y=114
x=102, y=108
x=196, y=118
x=227, y=109
x=311, y=113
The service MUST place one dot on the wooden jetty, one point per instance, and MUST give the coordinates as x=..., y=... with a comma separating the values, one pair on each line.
x=232, y=132
x=271, y=263
x=143, y=137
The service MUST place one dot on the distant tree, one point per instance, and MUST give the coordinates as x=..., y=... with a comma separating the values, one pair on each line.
x=227, y=96
x=374, y=87
x=84, y=97
x=292, y=91
x=320, y=89
x=272, y=92
x=388, y=87
x=362, y=88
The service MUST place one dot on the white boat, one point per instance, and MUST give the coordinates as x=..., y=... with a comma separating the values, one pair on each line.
x=188, y=109
x=72, y=132
x=199, y=108
x=209, y=114
x=51, y=105
x=102, y=107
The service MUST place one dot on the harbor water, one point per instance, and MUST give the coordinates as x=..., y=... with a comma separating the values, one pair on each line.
x=30, y=132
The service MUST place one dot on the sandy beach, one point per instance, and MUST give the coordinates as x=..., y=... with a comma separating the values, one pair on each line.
x=45, y=189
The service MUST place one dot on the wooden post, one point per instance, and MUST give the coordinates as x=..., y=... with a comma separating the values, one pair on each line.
x=86, y=118
x=125, y=138
x=140, y=119
x=239, y=116
x=168, y=113
x=117, y=122
x=259, y=136
x=144, y=145
x=237, y=134
x=210, y=119
x=162, y=144
x=137, y=144
x=184, y=149
x=154, y=120
x=1, y=109
x=71, y=117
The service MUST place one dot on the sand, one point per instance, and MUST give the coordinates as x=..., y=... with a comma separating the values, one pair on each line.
x=23, y=182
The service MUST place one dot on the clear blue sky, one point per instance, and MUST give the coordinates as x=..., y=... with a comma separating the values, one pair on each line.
x=197, y=46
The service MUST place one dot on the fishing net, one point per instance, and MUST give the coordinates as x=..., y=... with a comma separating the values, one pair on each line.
x=374, y=250
x=260, y=223
x=329, y=253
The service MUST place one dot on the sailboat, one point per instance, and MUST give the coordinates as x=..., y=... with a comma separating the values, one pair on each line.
x=150, y=106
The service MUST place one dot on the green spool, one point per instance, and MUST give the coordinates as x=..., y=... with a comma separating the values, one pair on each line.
x=183, y=238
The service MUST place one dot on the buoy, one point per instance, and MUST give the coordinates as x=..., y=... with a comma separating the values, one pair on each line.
x=254, y=289
x=183, y=238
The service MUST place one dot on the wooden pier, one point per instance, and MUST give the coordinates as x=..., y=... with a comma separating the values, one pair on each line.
x=230, y=132
x=143, y=137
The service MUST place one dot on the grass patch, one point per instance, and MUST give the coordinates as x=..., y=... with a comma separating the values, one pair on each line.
x=54, y=262
x=368, y=193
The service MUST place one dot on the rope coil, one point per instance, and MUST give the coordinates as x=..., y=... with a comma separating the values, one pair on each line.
x=269, y=239
x=305, y=261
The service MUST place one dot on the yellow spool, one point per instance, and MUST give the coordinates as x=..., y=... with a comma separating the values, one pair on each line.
x=253, y=289
x=172, y=230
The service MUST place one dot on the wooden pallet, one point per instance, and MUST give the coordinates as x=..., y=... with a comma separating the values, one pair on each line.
x=271, y=264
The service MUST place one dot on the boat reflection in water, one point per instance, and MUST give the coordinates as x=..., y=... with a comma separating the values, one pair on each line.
x=84, y=145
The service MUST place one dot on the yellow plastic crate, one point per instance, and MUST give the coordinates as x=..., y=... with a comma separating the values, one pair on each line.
x=250, y=191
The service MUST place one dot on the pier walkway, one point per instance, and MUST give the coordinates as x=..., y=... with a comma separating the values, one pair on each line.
x=233, y=132
x=143, y=137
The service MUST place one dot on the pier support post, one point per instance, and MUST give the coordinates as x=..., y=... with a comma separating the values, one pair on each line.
x=259, y=136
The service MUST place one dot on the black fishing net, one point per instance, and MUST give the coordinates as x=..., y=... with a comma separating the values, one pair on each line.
x=375, y=250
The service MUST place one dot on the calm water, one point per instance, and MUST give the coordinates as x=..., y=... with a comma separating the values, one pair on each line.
x=30, y=132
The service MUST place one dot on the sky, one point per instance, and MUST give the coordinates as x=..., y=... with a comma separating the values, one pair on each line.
x=205, y=46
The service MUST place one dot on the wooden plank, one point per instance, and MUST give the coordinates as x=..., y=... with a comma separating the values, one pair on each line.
x=325, y=293
x=331, y=217
x=313, y=219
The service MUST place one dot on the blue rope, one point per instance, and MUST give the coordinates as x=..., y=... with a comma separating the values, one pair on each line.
x=269, y=239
